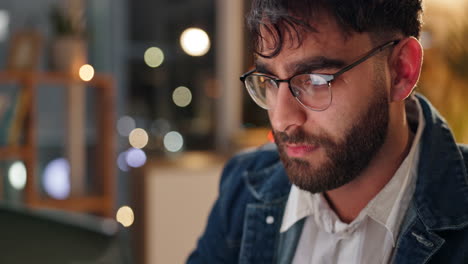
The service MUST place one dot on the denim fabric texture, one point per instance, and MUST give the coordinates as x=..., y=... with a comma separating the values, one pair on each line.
x=243, y=226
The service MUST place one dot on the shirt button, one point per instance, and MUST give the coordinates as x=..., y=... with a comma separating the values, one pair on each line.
x=270, y=220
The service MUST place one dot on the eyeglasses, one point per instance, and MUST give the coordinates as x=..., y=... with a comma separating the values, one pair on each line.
x=311, y=90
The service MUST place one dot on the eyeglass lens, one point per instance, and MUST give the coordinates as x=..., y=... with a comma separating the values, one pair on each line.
x=311, y=90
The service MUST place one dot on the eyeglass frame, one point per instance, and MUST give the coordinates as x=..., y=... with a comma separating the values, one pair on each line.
x=327, y=77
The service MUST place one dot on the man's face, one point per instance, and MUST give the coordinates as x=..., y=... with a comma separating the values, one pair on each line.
x=325, y=150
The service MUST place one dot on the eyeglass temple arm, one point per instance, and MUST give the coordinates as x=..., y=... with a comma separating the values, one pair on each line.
x=370, y=54
x=243, y=76
x=347, y=68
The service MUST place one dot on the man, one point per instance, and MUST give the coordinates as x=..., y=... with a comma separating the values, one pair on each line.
x=364, y=170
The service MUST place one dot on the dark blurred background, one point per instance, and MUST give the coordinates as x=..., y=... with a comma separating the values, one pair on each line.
x=116, y=117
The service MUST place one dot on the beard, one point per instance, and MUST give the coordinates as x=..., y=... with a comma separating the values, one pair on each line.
x=345, y=159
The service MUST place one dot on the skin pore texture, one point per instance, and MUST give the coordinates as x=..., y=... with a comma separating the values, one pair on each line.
x=353, y=148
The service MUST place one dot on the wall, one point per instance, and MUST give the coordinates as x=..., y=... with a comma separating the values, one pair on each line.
x=178, y=200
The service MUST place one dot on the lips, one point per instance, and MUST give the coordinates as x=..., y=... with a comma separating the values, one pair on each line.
x=298, y=151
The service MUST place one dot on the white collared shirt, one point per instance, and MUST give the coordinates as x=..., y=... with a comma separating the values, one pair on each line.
x=371, y=237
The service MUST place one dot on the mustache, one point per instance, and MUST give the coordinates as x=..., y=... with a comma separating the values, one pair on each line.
x=299, y=136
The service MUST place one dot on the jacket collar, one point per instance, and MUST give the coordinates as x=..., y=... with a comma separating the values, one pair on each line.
x=441, y=195
x=269, y=184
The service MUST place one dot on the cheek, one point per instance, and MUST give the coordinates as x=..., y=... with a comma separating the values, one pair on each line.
x=341, y=115
x=332, y=123
x=352, y=94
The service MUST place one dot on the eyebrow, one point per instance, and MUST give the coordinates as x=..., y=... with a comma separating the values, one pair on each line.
x=307, y=65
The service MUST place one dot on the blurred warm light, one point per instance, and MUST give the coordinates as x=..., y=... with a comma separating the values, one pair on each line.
x=160, y=127
x=252, y=136
x=135, y=157
x=56, y=179
x=447, y=3
x=138, y=138
x=125, y=125
x=195, y=42
x=182, y=96
x=445, y=63
x=270, y=136
x=173, y=141
x=122, y=161
x=86, y=72
x=125, y=216
x=17, y=175
x=4, y=22
x=154, y=57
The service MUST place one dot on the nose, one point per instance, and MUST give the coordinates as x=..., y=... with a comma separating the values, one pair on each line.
x=288, y=113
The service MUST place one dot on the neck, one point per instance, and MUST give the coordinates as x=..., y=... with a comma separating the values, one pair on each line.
x=374, y=178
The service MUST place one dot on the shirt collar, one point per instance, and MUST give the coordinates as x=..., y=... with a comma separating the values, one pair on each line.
x=385, y=208
x=389, y=206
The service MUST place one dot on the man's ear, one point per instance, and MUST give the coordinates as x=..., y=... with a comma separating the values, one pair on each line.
x=406, y=61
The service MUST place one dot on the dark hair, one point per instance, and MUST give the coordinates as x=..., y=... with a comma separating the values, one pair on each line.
x=291, y=18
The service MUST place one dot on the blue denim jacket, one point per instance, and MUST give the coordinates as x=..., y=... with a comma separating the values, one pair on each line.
x=243, y=226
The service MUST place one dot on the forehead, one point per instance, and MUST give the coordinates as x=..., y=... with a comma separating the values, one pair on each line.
x=327, y=40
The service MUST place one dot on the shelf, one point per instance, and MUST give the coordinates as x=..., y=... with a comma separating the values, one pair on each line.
x=51, y=77
x=14, y=152
x=105, y=102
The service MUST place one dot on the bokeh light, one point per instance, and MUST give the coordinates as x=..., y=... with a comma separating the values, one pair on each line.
x=86, y=72
x=17, y=175
x=56, y=179
x=154, y=57
x=195, y=42
x=182, y=96
x=135, y=157
x=125, y=125
x=173, y=141
x=122, y=161
x=138, y=138
x=125, y=216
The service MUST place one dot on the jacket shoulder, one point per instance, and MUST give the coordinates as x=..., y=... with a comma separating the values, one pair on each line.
x=464, y=150
x=221, y=240
x=250, y=160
